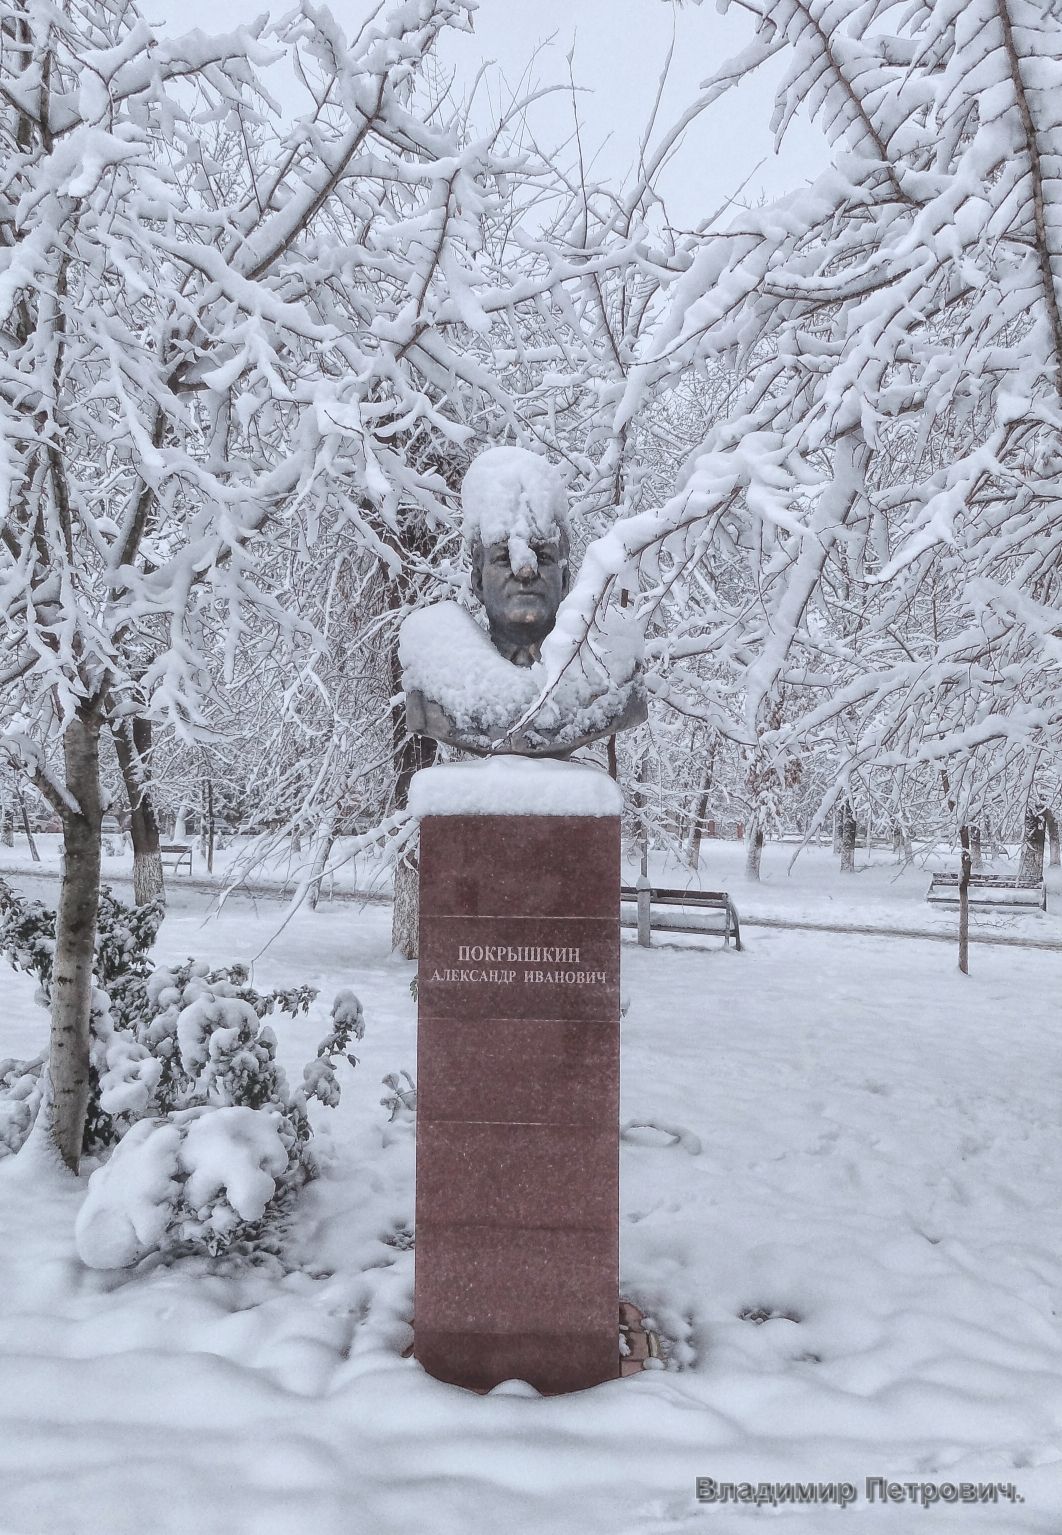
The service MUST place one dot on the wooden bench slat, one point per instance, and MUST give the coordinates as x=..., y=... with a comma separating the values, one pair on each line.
x=986, y=882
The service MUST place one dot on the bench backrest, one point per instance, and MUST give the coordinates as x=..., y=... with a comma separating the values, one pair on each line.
x=678, y=897
x=989, y=881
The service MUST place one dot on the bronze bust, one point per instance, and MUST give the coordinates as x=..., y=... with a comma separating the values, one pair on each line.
x=471, y=689
x=521, y=603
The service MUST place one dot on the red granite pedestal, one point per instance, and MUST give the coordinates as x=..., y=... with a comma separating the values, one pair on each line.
x=517, y=1100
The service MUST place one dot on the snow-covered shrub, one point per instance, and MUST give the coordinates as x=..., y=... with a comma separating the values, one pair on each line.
x=400, y=1101
x=20, y=1098
x=319, y=1078
x=199, y=1178
x=27, y=937
x=225, y=1140
x=208, y=1136
x=27, y=942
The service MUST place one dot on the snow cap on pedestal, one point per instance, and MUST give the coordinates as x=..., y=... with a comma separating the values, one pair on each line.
x=511, y=496
x=510, y=785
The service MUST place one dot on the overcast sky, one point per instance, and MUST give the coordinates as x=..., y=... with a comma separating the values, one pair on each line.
x=619, y=51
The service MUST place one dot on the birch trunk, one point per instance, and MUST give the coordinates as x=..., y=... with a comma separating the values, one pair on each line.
x=75, y=940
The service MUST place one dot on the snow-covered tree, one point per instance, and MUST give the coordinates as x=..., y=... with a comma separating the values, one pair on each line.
x=889, y=461
x=206, y=310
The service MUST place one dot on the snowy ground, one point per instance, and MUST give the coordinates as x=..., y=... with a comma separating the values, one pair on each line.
x=864, y=1141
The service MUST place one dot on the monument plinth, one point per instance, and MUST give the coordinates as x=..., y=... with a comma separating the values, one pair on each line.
x=518, y=1053
x=517, y=1203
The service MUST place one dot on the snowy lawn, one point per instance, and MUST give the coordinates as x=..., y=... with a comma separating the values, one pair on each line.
x=852, y=1140
x=880, y=893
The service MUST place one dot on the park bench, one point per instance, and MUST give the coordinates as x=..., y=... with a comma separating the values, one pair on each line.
x=181, y=852
x=989, y=890
x=710, y=911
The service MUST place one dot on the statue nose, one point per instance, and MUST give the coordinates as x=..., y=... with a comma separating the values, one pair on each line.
x=526, y=573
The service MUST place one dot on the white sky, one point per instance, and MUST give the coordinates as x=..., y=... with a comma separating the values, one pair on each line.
x=620, y=47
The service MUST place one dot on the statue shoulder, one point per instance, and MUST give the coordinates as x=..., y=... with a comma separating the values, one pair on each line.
x=438, y=621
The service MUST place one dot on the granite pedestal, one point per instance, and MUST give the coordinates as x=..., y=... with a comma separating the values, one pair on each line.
x=517, y=1206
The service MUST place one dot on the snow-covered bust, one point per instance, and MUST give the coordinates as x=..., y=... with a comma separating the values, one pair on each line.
x=470, y=687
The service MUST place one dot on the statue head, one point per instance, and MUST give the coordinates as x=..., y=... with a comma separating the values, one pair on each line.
x=516, y=525
x=457, y=691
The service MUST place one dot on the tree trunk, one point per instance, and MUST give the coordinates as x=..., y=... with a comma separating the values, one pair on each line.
x=26, y=828
x=753, y=851
x=848, y=838
x=411, y=753
x=1032, y=848
x=701, y=815
x=75, y=939
x=209, y=825
x=976, y=858
x=964, y=903
x=901, y=843
x=405, y=914
x=7, y=824
x=207, y=840
x=132, y=744
x=1051, y=821
x=325, y=837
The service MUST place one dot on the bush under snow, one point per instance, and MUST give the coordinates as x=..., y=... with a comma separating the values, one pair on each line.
x=193, y=1179
x=208, y=1135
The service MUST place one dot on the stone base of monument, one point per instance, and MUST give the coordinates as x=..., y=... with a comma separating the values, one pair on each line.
x=638, y=1345
x=517, y=1271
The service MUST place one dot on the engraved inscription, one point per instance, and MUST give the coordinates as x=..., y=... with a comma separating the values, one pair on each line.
x=519, y=964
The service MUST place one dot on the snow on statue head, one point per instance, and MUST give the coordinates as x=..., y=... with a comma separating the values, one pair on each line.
x=516, y=526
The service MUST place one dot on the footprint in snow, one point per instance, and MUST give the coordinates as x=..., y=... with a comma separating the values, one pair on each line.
x=657, y=1132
